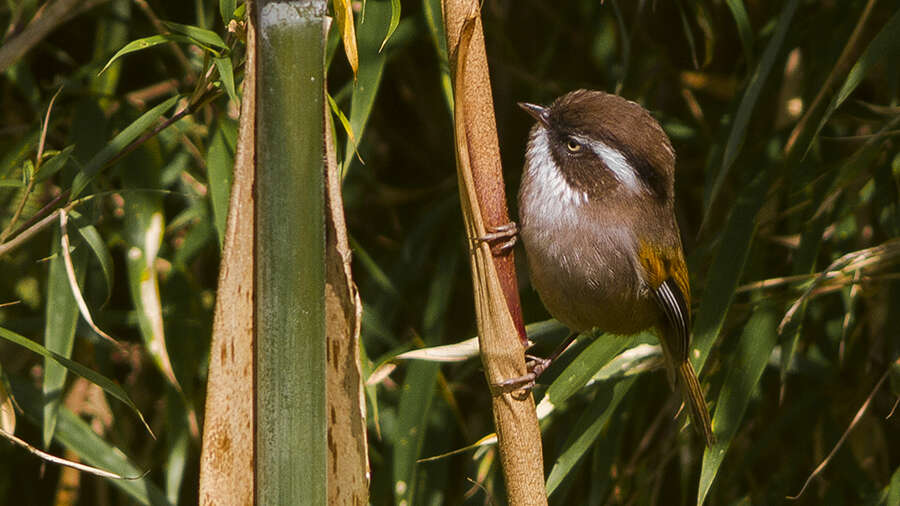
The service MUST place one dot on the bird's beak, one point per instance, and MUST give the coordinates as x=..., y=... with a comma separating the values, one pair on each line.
x=537, y=112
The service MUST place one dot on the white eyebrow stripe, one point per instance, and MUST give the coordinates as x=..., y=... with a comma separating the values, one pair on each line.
x=616, y=162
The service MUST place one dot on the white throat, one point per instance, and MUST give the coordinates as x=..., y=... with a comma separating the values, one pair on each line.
x=550, y=194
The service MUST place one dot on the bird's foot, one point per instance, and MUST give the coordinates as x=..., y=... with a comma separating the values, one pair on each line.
x=526, y=382
x=501, y=238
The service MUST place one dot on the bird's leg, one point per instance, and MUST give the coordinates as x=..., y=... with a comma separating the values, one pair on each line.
x=501, y=238
x=535, y=366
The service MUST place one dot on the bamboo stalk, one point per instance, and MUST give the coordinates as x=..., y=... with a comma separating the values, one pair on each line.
x=500, y=328
x=289, y=305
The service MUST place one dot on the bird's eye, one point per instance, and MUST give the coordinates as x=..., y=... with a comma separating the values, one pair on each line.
x=573, y=146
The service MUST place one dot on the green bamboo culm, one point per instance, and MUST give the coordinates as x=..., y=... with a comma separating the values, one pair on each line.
x=290, y=243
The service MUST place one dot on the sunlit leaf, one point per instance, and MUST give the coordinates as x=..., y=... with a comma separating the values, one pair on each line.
x=343, y=12
x=395, y=20
x=145, y=43
x=202, y=35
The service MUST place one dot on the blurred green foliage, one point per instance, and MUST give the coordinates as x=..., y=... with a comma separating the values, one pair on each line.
x=762, y=216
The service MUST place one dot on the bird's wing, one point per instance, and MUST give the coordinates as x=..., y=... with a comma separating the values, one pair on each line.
x=673, y=303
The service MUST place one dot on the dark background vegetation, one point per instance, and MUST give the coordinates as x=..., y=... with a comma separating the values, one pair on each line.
x=684, y=61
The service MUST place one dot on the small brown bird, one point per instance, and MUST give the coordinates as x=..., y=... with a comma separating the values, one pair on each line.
x=597, y=219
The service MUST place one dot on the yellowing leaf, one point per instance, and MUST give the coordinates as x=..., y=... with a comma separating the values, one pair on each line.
x=344, y=14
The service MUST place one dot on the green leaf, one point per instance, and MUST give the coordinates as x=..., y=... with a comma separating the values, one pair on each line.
x=203, y=36
x=61, y=316
x=336, y=110
x=12, y=183
x=90, y=234
x=76, y=435
x=885, y=47
x=226, y=74
x=368, y=78
x=588, y=428
x=592, y=359
x=98, y=379
x=745, y=32
x=893, y=490
x=412, y=414
x=53, y=165
x=395, y=20
x=144, y=43
x=117, y=144
x=727, y=268
x=748, y=362
x=748, y=102
x=226, y=10
x=220, y=167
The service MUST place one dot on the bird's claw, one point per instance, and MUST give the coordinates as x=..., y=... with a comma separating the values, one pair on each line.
x=501, y=238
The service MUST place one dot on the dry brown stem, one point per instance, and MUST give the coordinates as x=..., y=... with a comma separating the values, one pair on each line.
x=227, y=457
x=500, y=328
x=348, y=464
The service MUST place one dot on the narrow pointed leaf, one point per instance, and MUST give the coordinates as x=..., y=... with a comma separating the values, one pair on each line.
x=117, y=144
x=75, y=434
x=588, y=428
x=343, y=12
x=395, y=20
x=205, y=37
x=96, y=378
x=748, y=362
x=748, y=102
x=61, y=316
x=226, y=74
x=145, y=43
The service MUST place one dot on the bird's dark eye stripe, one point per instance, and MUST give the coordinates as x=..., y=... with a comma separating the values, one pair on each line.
x=647, y=172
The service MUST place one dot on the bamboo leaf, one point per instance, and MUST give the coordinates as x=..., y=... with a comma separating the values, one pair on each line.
x=727, y=268
x=748, y=362
x=145, y=43
x=226, y=74
x=73, y=280
x=395, y=20
x=415, y=402
x=745, y=32
x=203, y=36
x=90, y=234
x=344, y=16
x=368, y=78
x=582, y=369
x=748, y=102
x=106, y=384
x=61, y=315
x=226, y=10
x=54, y=164
x=220, y=164
x=885, y=47
x=587, y=429
x=76, y=435
x=117, y=144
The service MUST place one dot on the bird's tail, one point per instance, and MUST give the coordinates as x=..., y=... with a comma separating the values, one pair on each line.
x=693, y=398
